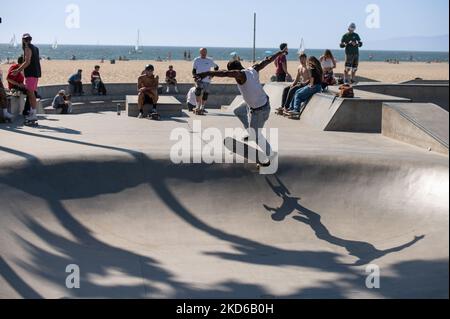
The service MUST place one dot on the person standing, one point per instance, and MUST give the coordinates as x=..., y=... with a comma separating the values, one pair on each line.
x=203, y=64
x=351, y=41
x=281, y=65
x=255, y=111
x=31, y=68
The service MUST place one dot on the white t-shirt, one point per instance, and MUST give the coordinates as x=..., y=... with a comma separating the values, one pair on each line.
x=252, y=91
x=204, y=65
x=191, y=98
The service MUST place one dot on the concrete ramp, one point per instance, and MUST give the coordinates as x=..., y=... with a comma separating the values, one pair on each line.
x=275, y=92
x=424, y=125
x=363, y=113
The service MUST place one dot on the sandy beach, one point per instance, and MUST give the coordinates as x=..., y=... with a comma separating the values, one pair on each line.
x=57, y=71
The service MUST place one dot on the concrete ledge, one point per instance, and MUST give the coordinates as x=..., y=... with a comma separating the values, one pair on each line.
x=421, y=124
x=363, y=113
x=168, y=106
x=437, y=93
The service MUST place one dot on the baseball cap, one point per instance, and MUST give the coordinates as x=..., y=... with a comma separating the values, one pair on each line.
x=62, y=92
x=149, y=67
x=352, y=26
x=26, y=36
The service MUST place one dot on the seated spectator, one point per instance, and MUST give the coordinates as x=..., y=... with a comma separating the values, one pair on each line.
x=191, y=99
x=301, y=80
x=171, y=79
x=97, y=82
x=16, y=82
x=148, y=85
x=328, y=63
x=314, y=86
x=76, y=85
x=4, y=102
x=60, y=103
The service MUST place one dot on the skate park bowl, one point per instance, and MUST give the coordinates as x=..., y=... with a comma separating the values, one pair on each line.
x=101, y=192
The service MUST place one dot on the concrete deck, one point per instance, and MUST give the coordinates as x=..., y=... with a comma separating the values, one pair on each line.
x=99, y=191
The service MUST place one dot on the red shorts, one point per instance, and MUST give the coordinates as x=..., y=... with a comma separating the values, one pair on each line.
x=31, y=84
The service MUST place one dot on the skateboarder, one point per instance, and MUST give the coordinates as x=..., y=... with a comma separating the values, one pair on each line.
x=255, y=110
x=148, y=90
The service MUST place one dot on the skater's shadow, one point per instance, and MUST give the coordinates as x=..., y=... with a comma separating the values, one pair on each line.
x=365, y=252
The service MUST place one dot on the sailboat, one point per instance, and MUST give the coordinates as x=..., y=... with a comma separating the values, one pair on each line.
x=302, y=48
x=137, y=47
x=13, y=42
x=55, y=45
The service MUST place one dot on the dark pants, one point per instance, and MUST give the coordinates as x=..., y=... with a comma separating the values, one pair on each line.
x=288, y=95
x=100, y=87
x=281, y=77
x=64, y=108
x=77, y=87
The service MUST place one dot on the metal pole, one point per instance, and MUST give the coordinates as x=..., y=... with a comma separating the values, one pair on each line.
x=254, y=38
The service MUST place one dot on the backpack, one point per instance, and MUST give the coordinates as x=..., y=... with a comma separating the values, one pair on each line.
x=346, y=91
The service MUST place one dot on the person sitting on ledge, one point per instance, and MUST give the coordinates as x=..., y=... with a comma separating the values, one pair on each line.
x=171, y=79
x=97, y=82
x=301, y=81
x=315, y=86
x=4, y=103
x=76, y=84
x=60, y=102
x=147, y=87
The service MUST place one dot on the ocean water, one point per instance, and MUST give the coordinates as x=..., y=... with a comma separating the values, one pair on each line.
x=93, y=52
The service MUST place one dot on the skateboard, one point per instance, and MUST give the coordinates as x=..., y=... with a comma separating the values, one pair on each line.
x=4, y=120
x=292, y=115
x=199, y=112
x=155, y=116
x=32, y=123
x=246, y=151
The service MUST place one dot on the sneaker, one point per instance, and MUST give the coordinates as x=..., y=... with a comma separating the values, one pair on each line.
x=7, y=115
x=31, y=117
x=141, y=115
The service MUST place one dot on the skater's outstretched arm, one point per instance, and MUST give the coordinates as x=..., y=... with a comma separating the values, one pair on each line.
x=269, y=60
x=234, y=74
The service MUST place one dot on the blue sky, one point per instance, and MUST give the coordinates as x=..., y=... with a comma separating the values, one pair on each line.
x=219, y=23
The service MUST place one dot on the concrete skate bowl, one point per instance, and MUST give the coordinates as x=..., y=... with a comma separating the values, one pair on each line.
x=143, y=227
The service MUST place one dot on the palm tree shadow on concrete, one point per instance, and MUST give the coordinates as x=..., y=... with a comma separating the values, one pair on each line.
x=364, y=252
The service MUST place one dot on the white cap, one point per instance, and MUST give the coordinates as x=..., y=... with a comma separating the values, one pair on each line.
x=352, y=26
